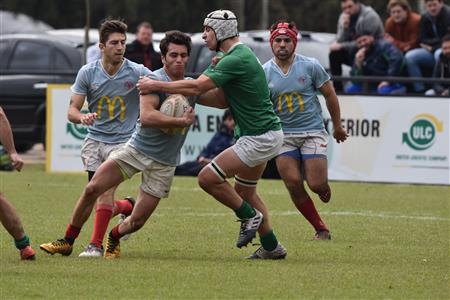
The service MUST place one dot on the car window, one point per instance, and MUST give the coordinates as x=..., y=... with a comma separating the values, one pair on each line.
x=61, y=62
x=30, y=56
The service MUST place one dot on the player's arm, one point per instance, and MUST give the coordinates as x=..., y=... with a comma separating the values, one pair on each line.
x=332, y=101
x=185, y=87
x=150, y=116
x=74, y=113
x=6, y=139
x=214, y=98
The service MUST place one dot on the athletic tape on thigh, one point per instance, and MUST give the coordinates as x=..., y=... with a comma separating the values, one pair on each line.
x=217, y=170
x=245, y=182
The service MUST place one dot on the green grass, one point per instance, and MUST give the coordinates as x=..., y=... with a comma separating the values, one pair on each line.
x=389, y=241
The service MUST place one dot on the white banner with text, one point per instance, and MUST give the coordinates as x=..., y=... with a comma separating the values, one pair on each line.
x=392, y=139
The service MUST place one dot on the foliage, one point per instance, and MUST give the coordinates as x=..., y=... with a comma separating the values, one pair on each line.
x=389, y=242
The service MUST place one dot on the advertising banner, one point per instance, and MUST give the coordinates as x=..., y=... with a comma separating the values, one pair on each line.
x=391, y=139
x=63, y=138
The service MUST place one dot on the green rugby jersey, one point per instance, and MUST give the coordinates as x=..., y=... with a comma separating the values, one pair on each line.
x=241, y=76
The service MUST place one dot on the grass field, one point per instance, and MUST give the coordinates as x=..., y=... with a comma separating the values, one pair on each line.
x=389, y=241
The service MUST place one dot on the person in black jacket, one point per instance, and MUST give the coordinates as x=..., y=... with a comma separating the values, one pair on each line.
x=219, y=142
x=377, y=58
x=141, y=49
x=442, y=70
x=434, y=24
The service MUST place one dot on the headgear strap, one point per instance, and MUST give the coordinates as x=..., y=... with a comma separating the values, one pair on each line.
x=284, y=29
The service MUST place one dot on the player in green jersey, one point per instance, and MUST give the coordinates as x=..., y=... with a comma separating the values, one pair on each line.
x=239, y=81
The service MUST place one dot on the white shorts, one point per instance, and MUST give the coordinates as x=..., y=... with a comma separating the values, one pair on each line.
x=254, y=150
x=156, y=177
x=94, y=153
x=305, y=145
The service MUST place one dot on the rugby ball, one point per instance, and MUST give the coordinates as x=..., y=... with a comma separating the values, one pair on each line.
x=174, y=106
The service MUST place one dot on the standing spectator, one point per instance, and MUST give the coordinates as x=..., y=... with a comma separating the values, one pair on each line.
x=354, y=20
x=442, y=70
x=141, y=49
x=8, y=215
x=93, y=53
x=377, y=58
x=434, y=24
x=402, y=26
x=219, y=142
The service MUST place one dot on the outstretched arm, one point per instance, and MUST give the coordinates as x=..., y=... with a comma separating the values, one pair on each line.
x=184, y=87
x=6, y=139
x=332, y=101
x=214, y=98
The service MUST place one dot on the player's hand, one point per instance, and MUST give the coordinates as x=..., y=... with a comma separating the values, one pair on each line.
x=88, y=119
x=145, y=85
x=16, y=161
x=339, y=134
x=188, y=116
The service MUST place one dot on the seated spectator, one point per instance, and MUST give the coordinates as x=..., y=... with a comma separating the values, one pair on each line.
x=141, y=49
x=442, y=70
x=219, y=142
x=434, y=24
x=354, y=20
x=402, y=26
x=377, y=58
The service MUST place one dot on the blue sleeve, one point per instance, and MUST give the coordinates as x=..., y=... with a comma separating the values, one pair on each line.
x=81, y=85
x=319, y=75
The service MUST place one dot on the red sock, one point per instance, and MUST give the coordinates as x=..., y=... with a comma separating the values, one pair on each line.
x=122, y=207
x=103, y=214
x=309, y=211
x=115, y=232
x=72, y=233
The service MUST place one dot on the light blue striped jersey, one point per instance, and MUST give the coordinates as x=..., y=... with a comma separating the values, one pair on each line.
x=294, y=95
x=153, y=142
x=115, y=99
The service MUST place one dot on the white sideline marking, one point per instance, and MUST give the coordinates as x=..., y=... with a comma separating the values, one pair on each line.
x=366, y=214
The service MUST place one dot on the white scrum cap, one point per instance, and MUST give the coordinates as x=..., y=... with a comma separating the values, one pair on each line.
x=223, y=22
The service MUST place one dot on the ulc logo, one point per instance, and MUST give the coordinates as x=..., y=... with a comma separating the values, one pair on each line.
x=422, y=132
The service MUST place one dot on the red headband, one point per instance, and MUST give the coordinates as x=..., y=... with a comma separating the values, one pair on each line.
x=284, y=29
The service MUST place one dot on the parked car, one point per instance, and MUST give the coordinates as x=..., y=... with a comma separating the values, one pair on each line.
x=27, y=63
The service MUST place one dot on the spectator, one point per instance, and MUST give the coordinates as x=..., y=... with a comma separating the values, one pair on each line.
x=434, y=24
x=141, y=49
x=354, y=20
x=93, y=53
x=442, y=70
x=377, y=58
x=219, y=142
x=402, y=27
